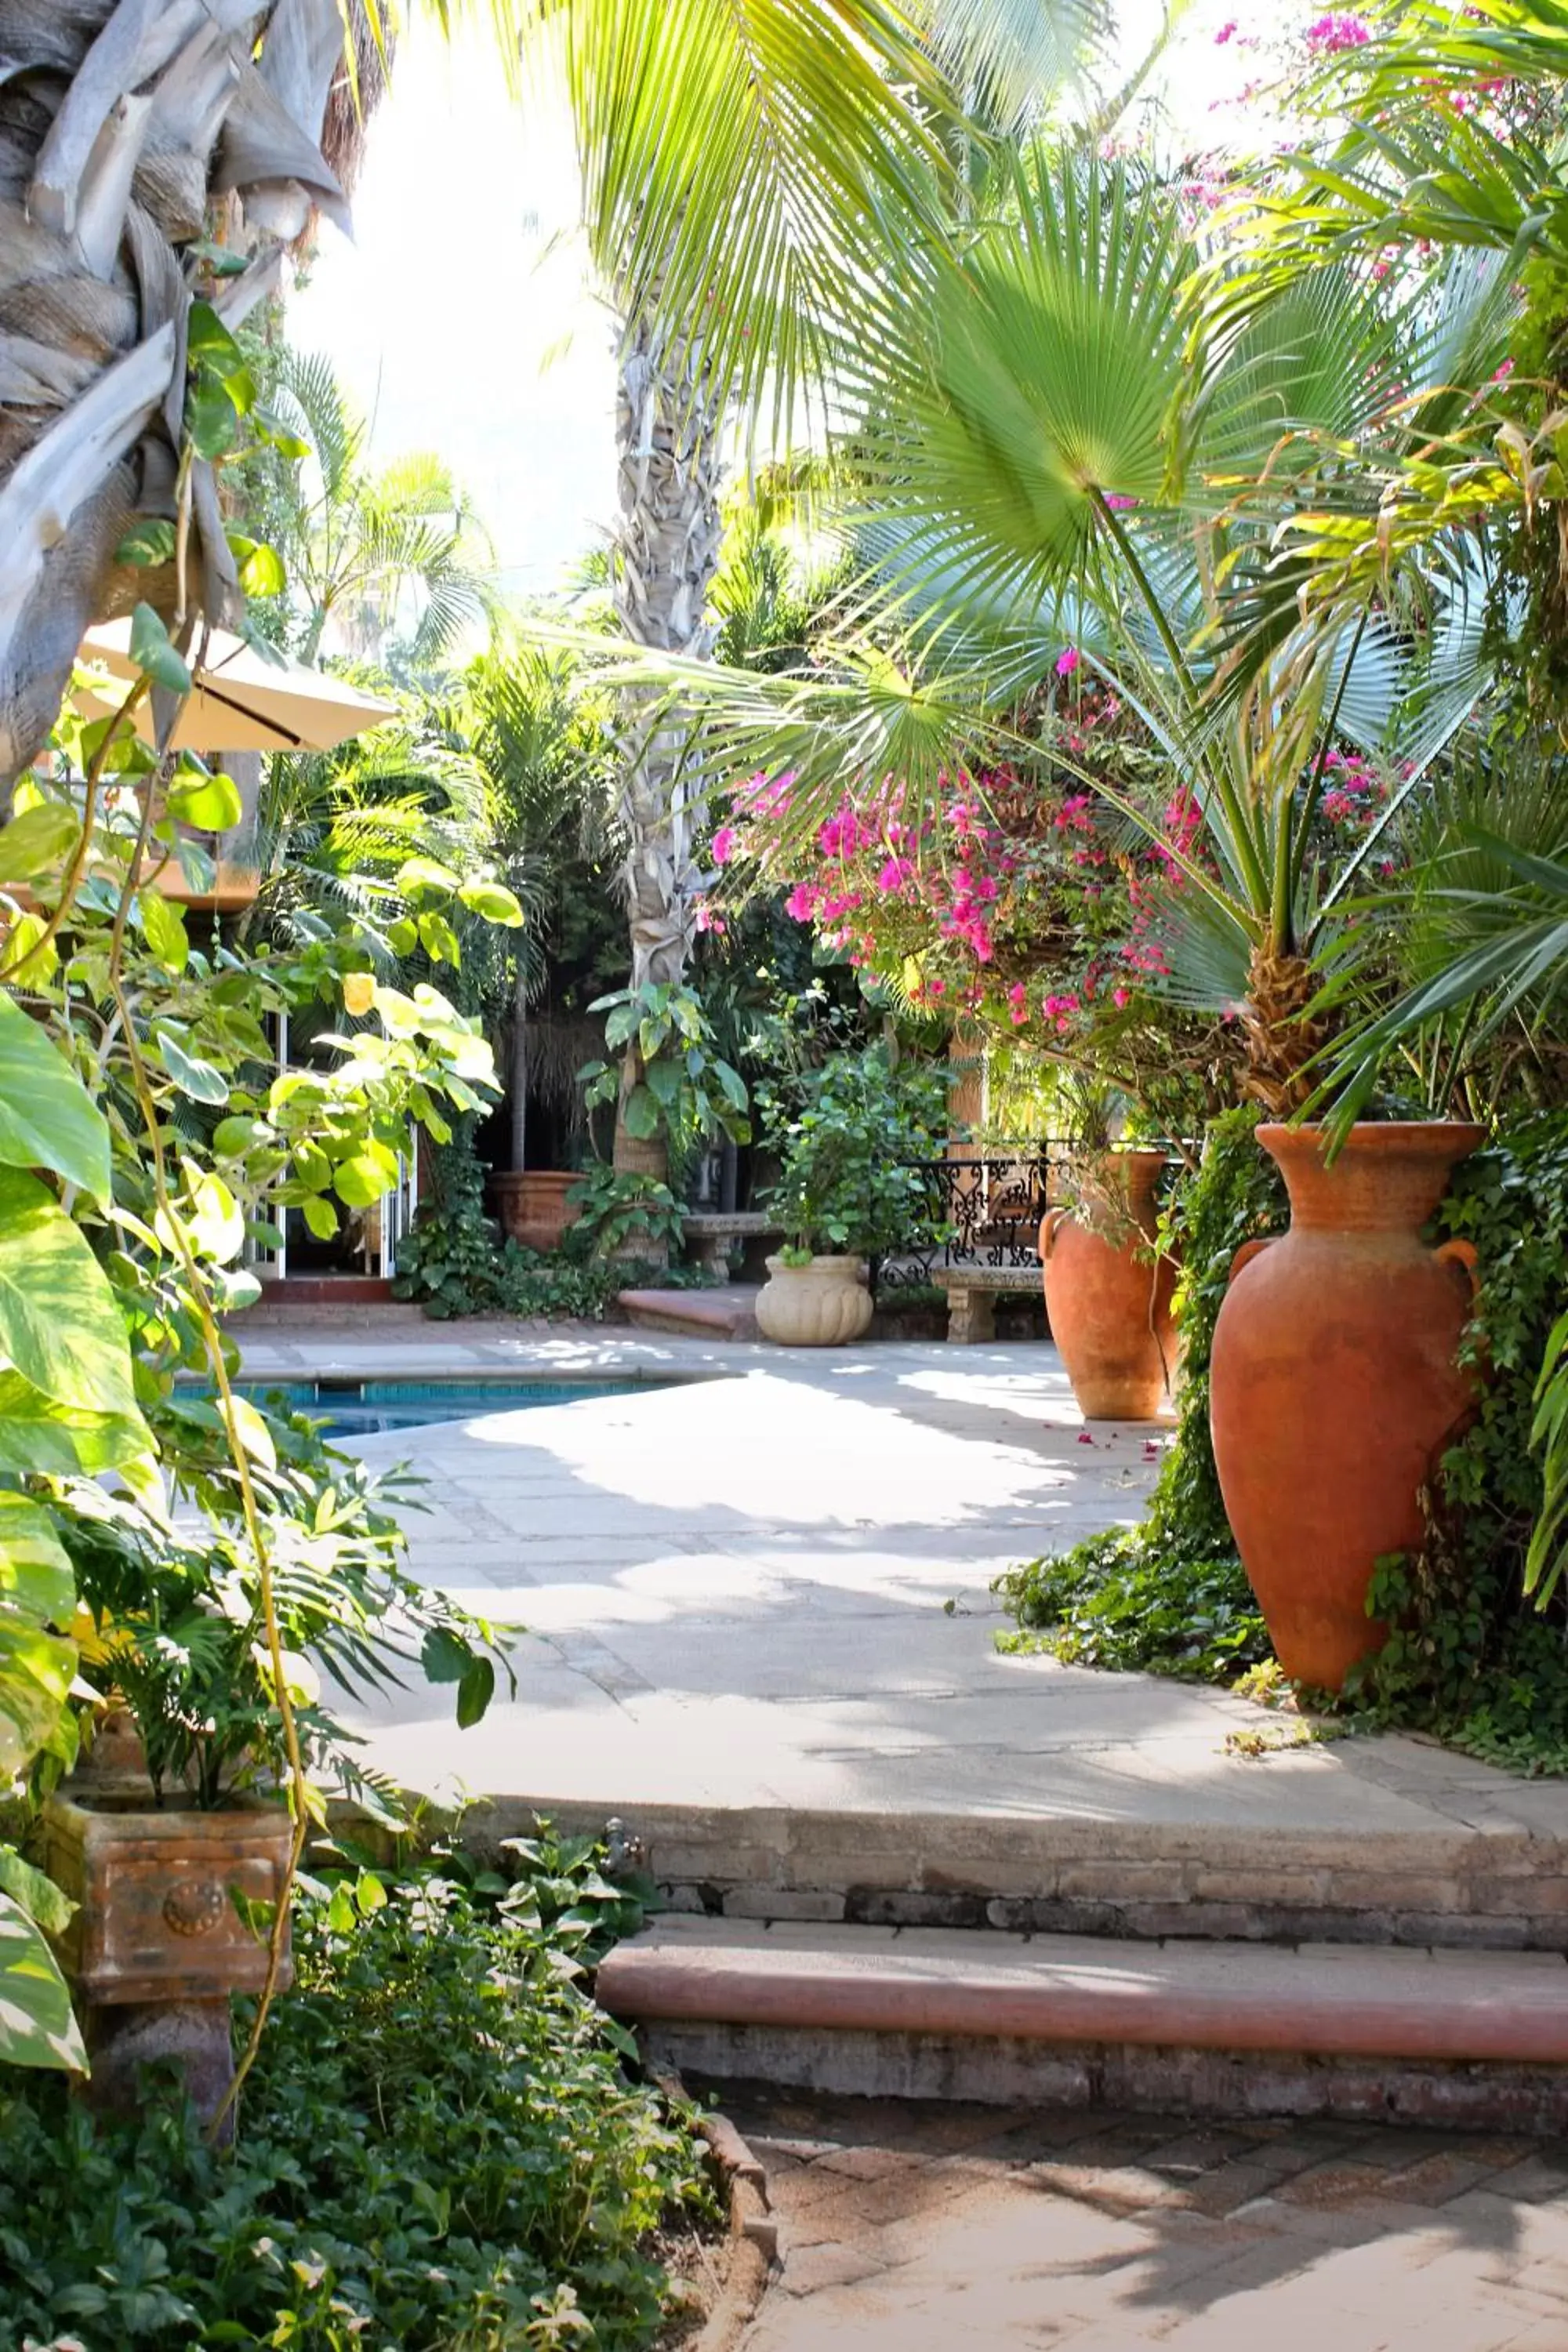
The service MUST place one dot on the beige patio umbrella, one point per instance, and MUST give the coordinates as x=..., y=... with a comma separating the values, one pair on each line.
x=241, y=701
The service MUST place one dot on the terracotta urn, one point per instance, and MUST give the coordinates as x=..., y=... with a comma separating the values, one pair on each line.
x=823, y=1304
x=1334, y=1383
x=156, y=1945
x=533, y=1205
x=1108, y=1298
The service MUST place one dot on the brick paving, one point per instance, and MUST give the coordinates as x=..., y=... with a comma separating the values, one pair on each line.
x=908, y=2227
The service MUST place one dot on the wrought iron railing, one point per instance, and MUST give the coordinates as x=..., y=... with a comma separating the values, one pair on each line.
x=983, y=1210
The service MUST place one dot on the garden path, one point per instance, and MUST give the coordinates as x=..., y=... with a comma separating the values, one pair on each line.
x=906, y=2227
x=737, y=1594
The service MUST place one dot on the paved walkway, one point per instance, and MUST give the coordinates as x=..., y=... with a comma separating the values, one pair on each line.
x=915, y=2229
x=768, y=1587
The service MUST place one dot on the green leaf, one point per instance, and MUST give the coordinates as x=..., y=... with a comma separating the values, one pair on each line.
x=494, y=902
x=445, y=1656
x=419, y=874
x=37, y=2026
x=147, y=544
x=209, y=344
x=48, y=1119
x=164, y=928
x=42, y=836
x=202, y=1081
x=475, y=1692
x=642, y=1114
x=59, y=1323
x=45, y=1903
x=37, y=1670
x=361, y=1179
x=152, y=652
x=342, y=1916
x=210, y=802
x=261, y=572
x=34, y=959
x=438, y=940
x=320, y=1216
x=369, y=1893
x=36, y=1573
x=40, y=1437
x=212, y=421
x=248, y=1430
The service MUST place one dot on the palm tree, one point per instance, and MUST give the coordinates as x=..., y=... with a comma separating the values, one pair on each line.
x=1053, y=452
x=124, y=130
x=358, y=544
x=740, y=163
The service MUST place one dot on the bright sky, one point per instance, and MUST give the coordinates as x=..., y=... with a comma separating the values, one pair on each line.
x=462, y=319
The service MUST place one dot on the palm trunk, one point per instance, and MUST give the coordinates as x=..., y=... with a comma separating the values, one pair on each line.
x=665, y=558
x=123, y=125
x=1280, y=1040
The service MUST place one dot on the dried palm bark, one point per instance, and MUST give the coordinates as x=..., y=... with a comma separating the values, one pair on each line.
x=121, y=124
x=668, y=429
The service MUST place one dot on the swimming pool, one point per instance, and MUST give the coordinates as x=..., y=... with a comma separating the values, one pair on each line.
x=361, y=1407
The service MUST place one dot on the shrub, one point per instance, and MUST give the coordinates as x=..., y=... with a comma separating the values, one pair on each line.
x=440, y=2148
x=850, y=1138
x=1170, y=1594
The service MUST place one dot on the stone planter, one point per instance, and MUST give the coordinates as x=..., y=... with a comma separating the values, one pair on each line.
x=1108, y=1299
x=824, y=1304
x=156, y=1945
x=533, y=1208
x=1334, y=1383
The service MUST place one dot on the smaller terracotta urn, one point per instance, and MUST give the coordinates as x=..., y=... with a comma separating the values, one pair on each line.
x=533, y=1205
x=823, y=1304
x=1108, y=1297
x=1334, y=1383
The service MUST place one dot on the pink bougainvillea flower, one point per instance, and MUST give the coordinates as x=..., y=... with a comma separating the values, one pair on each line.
x=1068, y=661
x=1331, y=33
x=1084, y=1438
x=1226, y=33
x=725, y=842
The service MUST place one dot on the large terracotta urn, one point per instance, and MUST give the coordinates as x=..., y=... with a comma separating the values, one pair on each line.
x=825, y=1303
x=533, y=1206
x=1108, y=1297
x=1335, y=1382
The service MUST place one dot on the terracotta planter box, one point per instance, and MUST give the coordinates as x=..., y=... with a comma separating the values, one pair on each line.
x=533, y=1207
x=155, y=1921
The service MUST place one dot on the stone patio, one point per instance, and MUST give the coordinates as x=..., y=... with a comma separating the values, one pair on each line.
x=760, y=1632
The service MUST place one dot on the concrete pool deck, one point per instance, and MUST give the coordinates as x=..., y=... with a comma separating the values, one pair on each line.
x=760, y=1632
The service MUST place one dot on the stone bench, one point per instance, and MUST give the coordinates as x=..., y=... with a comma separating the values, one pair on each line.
x=709, y=1232
x=972, y=1292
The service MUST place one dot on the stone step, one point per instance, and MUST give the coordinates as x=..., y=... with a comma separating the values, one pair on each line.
x=1465, y=2038
x=1253, y=1860
x=725, y=1313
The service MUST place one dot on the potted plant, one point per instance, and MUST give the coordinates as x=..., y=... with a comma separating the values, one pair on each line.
x=850, y=1138
x=534, y=1205
x=173, y=1839
x=1335, y=1383
x=1108, y=1290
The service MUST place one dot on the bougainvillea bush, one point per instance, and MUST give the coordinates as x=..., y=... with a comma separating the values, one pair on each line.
x=1016, y=898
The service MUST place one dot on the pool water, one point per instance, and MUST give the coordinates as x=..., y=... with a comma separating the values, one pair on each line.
x=359, y=1407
